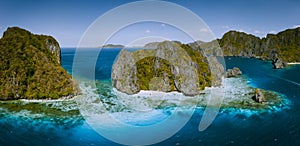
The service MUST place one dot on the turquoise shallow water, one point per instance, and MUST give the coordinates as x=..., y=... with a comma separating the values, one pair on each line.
x=229, y=127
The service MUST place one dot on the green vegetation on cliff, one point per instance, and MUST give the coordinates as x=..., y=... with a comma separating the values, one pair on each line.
x=284, y=45
x=236, y=43
x=202, y=66
x=153, y=67
x=146, y=72
x=30, y=67
x=171, y=66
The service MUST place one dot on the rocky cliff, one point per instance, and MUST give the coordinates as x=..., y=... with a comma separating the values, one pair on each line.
x=236, y=43
x=171, y=66
x=31, y=67
x=280, y=48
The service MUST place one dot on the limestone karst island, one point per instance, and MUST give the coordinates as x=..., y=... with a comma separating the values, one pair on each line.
x=149, y=72
x=31, y=64
x=31, y=67
x=189, y=68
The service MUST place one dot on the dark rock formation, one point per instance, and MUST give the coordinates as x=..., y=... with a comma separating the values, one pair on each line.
x=171, y=66
x=30, y=67
x=280, y=48
x=258, y=96
x=236, y=43
x=233, y=72
x=278, y=63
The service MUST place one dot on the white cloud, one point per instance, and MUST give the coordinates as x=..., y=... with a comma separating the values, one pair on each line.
x=148, y=31
x=225, y=27
x=204, y=30
x=272, y=31
x=296, y=26
x=163, y=25
x=258, y=32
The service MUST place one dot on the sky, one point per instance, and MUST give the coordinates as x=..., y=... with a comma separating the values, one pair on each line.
x=67, y=20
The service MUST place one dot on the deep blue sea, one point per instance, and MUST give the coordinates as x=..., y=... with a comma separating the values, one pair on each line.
x=229, y=128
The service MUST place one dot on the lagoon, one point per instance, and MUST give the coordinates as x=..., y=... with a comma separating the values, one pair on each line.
x=59, y=123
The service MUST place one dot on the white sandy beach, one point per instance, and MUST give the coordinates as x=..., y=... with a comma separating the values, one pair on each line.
x=293, y=63
x=49, y=100
x=234, y=93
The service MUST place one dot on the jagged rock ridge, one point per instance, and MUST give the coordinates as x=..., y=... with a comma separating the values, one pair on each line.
x=280, y=48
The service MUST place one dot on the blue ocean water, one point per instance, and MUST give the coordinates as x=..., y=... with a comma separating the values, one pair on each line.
x=232, y=128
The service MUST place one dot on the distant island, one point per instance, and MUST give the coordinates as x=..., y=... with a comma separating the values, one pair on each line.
x=112, y=46
x=31, y=67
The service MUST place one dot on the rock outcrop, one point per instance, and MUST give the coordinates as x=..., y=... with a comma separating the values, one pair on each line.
x=31, y=67
x=233, y=72
x=258, y=96
x=278, y=63
x=171, y=66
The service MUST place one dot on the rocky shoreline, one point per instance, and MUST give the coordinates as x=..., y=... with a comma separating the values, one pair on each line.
x=235, y=91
